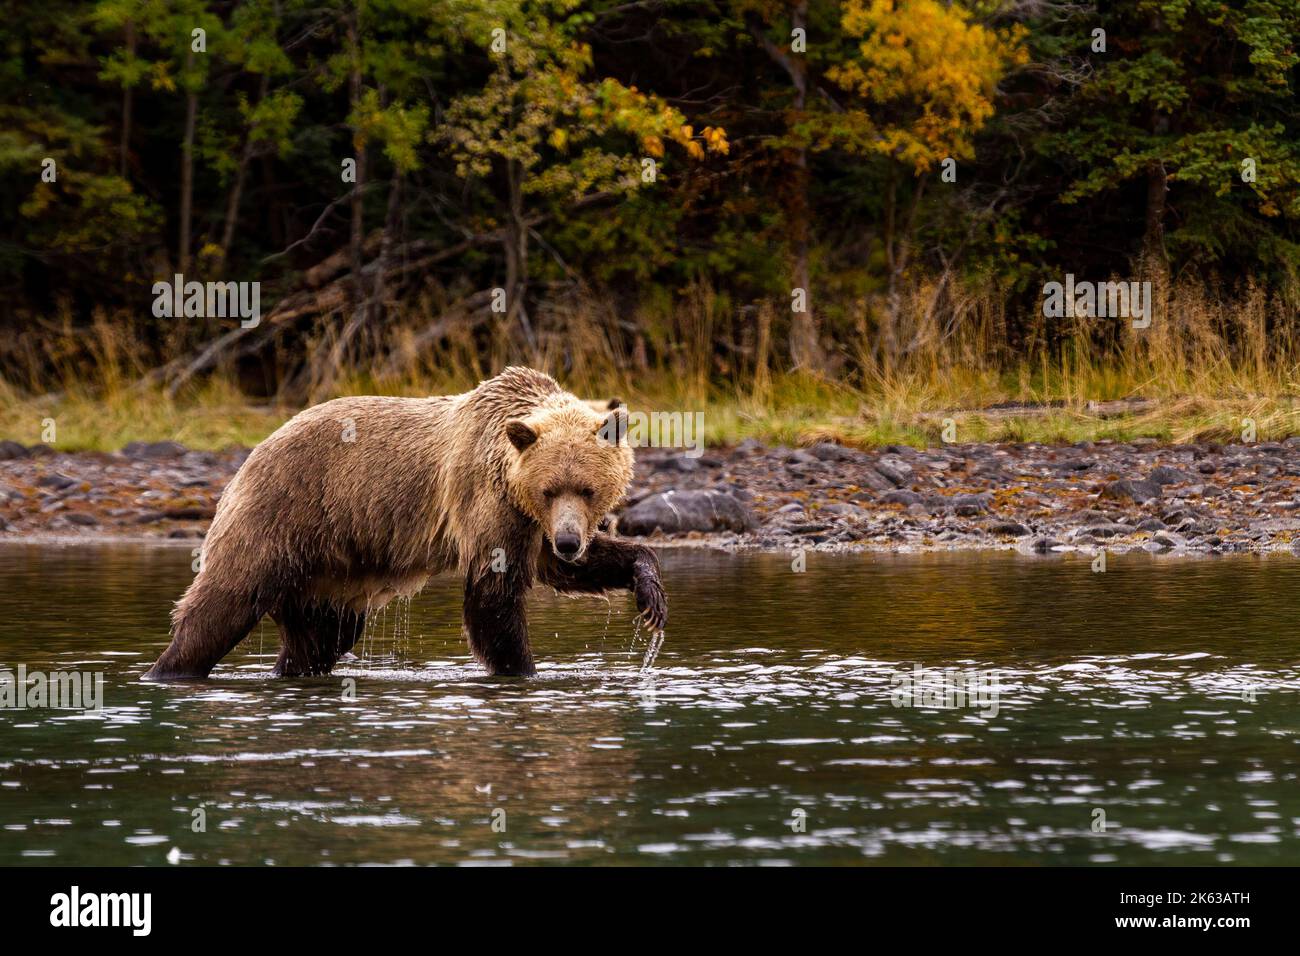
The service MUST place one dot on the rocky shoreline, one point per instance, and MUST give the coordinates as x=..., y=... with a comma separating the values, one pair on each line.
x=1202, y=498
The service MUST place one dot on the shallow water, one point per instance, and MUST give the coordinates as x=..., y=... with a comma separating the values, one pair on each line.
x=767, y=731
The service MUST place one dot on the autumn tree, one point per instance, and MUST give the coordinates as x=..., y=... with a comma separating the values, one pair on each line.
x=918, y=86
x=543, y=130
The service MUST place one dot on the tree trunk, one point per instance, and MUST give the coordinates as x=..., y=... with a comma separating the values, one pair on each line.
x=516, y=244
x=898, y=248
x=889, y=336
x=805, y=343
x=325, y=376
x=187, y=169
x=378, y=288
x=241, y=174
x=1153, y=241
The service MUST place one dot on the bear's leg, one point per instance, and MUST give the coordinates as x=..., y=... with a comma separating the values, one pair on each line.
x=206, y=625
x=495, y=623
x=611, y=565
x=314, y=636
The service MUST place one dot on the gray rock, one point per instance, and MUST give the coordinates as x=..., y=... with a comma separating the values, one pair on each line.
x=1133, y=489
x=870, y=478
x=81, y=518
x=10, y=450
x=1165, y=475
x=56, y=480
x=900, y=497
x=677, y=511
x=894, y=474
x=1165, y=541
x=678, y=463
x=740, y=492
x=829, y=451
x=1013, y=529
x=152, y=450
x=971, y=505
x=1074, y=465
x=1110, y=530
x=808, y=527
x=1089, y=517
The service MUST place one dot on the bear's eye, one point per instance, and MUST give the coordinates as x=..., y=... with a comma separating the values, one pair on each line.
x=548, y=494
x=586, y=492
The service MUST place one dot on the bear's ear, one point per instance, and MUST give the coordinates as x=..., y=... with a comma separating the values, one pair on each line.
x=614, y=428
x=521, y=435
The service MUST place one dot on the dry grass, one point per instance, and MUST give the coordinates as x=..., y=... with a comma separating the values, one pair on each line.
x=1210, y=366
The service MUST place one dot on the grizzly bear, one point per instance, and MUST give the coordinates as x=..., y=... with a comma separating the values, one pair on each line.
x=359, y=500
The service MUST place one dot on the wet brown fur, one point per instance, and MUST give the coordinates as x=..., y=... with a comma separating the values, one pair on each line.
x=359, y=500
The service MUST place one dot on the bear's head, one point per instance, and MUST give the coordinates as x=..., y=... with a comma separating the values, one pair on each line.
x=570, y=465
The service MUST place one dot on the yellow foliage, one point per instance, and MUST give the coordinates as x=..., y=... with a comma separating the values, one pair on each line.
x=927, y=74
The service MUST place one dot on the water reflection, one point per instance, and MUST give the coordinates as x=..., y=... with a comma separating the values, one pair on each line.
x=1161, y=693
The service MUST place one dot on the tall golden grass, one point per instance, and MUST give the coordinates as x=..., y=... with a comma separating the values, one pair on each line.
x=1211, y=364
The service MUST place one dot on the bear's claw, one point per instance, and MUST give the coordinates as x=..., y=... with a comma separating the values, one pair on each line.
x=651, y=600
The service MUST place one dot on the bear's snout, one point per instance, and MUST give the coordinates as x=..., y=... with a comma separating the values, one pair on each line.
x=567, y=545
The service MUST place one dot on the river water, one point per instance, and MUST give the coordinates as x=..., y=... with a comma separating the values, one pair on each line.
x=1144, y=715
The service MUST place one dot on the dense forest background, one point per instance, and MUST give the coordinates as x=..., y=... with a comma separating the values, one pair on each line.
x=726, y=196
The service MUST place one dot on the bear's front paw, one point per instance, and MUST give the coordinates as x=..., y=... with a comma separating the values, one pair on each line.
x=650, y=598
